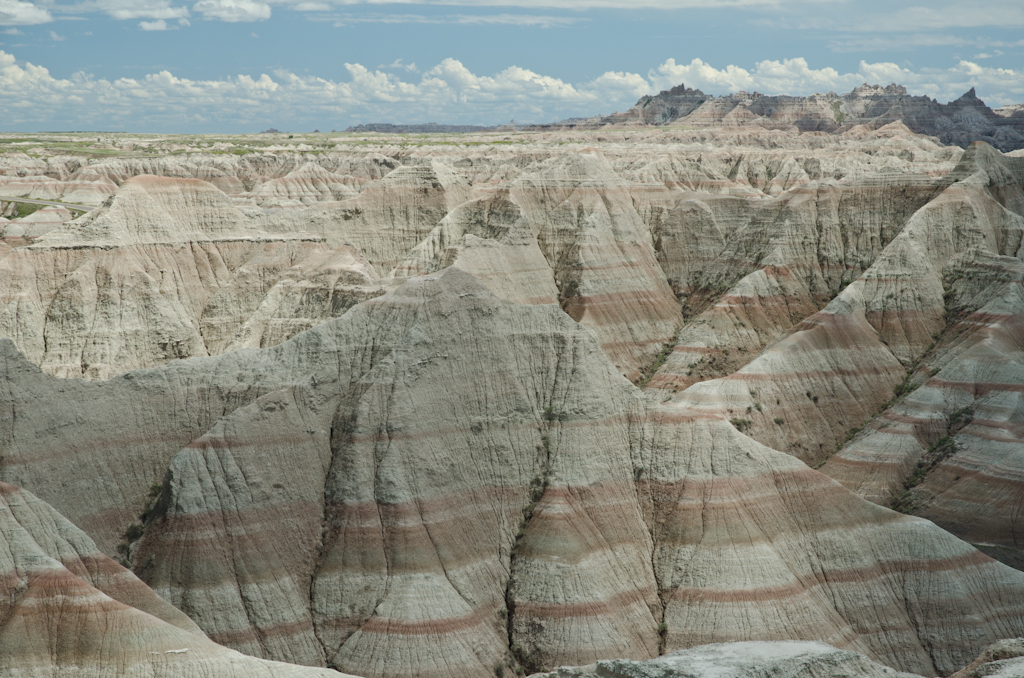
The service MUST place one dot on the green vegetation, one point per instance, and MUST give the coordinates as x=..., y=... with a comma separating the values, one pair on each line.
x=648, y=372
x=23, y=209
x=741, y=424
x=840, y=116
x=945, y=447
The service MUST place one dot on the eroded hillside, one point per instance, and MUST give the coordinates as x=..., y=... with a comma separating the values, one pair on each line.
x=433, y=406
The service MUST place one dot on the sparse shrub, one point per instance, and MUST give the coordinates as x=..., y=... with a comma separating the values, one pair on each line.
x=903, y=389
x=741, y=424
x=779, y=421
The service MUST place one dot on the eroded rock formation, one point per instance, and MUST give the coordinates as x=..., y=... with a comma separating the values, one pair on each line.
x=405, y=442
x=67, y=609
x=347, y=511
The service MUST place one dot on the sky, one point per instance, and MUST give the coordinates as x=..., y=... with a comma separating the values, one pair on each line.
x=240, y=66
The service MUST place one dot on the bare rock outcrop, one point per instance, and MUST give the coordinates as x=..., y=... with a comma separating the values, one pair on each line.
x=70, y=610
x=794, y=254
x=960, y=122
x=322, y=286
x=490, y=238
x=389, y=217
x=778, y=659
x=949, y=450
x=602, y=256
x=327, y=502
x=305, y=185
x=127, y=285
x=1004, y=659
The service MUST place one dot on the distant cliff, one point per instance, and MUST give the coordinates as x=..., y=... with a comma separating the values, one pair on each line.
x=426, y=128
x=958, y=122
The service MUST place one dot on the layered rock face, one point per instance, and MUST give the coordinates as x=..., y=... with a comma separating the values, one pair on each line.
x=265, y=178
x=602, y=256
x=389, y=218
x=345, y=510
x=491, y=238
x=70, y=610
x=1002, y=660
x=847, y=359
x=305, y=185
x=949, y=450
x=793, y=254
x=960, y=122
x=405, y=441
x=785, y=659
x=742, y=660
x=169, y=269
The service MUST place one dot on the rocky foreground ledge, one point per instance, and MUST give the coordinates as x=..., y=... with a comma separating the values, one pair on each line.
x=784, y=659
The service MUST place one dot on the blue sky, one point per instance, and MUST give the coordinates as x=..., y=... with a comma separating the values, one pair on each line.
x=232, y=66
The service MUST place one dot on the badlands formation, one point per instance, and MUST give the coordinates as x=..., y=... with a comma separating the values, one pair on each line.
x=959, y=122
x=731, y=401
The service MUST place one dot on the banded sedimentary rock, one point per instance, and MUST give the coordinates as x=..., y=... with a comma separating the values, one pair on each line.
x=305, y=185
x=127, y=285
x=950, y=450
x=957, y=432
x=334, y=505
x=961, y=122
x=847, y=359
x=1001, y=660
x=490, y=238
x=803, y=393
x=778, y=659
x=322, y=286
x=794, y=254
x=389, y=217
x=602, y=256
x=68, y=609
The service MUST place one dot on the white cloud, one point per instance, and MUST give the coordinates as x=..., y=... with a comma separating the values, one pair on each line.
x=233, y=10
x=795, y=76
x=18, y=13
x=889, y=42
x=11, y=31
x=584, y=4
x=57, y=38
x=130, y=10
x=962, y=14
x=517, y=20
x=537, y=21
x=158, y=25
x=397, y=64
x=448, y=92
x=937, y=15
